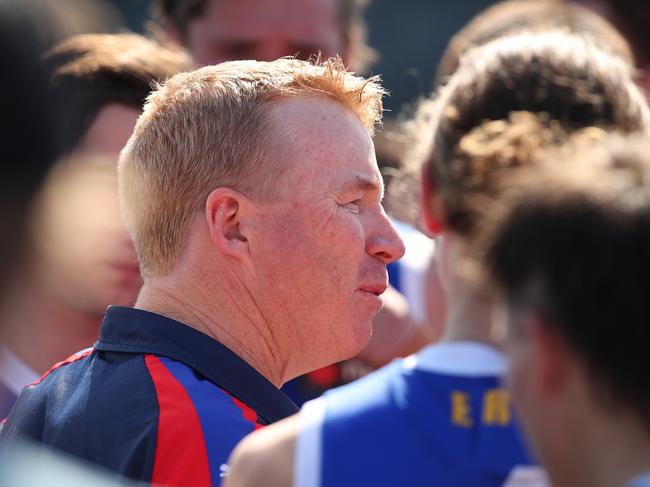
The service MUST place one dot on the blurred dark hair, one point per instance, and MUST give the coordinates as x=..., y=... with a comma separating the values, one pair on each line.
x=179, y=12
x=573, y=244
x=28, y=146
x=514, y=16
x=563, y=77
x=93, y=70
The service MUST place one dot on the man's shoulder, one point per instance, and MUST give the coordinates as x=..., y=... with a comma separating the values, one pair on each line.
x=129, y=412
x=96, y=387
x=84, y=391
x=94, y=406
x=50, y=389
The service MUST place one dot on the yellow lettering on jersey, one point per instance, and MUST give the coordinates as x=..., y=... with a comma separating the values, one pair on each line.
x=496, y=408
x=461, y=409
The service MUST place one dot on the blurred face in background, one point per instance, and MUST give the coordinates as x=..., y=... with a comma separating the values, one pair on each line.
x=265, y=30
x=110, y=131
x=82, y=250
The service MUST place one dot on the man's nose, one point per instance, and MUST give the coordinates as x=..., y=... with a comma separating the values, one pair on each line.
x=385, y=244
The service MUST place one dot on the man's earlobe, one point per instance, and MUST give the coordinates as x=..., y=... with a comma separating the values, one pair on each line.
x=224, y=210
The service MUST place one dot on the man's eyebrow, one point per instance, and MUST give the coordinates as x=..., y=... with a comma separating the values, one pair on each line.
x=363, y=183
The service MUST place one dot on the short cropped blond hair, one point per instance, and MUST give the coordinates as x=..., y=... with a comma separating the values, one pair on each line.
x=210, y=128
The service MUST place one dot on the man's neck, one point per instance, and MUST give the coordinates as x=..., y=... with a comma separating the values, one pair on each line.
x=224, y=315
x=40, y=329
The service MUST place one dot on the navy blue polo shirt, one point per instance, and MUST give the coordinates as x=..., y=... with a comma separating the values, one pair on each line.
x=153, y=400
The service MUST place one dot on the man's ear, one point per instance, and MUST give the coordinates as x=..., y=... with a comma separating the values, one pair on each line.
x=554, y=364
x=225, y=210
x=430, y=204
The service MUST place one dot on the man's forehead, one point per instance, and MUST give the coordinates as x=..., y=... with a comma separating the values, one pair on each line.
x=316, y=113
x=325, y=141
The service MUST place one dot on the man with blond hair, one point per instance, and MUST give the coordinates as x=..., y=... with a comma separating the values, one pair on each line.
x=253, y=197
x=228, y=30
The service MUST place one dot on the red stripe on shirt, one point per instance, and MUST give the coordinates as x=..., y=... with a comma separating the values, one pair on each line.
x=69, y=360
x=248, y=412
x=181, y=459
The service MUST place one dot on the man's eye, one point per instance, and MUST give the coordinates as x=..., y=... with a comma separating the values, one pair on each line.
x=354, y=205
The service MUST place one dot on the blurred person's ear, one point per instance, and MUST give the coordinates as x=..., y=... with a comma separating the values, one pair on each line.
x=553, y=361
x=225, y=212
x=432, y=211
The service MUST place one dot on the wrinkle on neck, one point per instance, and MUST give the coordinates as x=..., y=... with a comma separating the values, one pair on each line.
x=226, y=312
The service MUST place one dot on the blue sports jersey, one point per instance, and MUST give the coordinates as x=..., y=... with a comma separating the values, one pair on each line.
x=153, y=400
x=440, y=418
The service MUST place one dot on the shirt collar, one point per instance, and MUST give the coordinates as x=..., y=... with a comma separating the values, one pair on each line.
x=136, y=331
x=459, y=358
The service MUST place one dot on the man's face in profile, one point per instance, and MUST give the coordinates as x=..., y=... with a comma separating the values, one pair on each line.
x=265, y=30
x=324, y=240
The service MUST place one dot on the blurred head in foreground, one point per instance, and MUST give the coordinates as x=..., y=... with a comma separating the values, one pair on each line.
x=79, y=258
x=29, y=149
x=28, y=144
x=570, y=249
x=466, y=134
x=509, y=101
x=264, y=30
x=507, y=18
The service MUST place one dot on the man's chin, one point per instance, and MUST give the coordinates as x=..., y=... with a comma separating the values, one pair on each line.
x=359, y=338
